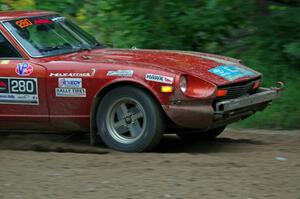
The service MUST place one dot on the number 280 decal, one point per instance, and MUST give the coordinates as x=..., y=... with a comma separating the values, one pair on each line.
x=23, y=86
x=19, y=91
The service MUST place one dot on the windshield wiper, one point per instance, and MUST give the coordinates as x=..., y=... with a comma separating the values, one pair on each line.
x=58, y=47
x=84, y=48
x=98, y=45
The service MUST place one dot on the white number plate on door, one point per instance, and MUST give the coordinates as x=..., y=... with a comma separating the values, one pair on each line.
x=19, y=91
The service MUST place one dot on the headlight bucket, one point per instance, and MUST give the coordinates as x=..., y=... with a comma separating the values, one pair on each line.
x=195, y=87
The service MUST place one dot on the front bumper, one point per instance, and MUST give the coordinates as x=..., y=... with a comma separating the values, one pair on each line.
x=262, y=95
x=207, y=115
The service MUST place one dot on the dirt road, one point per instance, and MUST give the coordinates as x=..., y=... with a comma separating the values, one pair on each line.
x=239, y=164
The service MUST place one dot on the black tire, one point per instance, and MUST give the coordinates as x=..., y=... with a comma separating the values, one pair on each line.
x=119, y=120
x=193, y=135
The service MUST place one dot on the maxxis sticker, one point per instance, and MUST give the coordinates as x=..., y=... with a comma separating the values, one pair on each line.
x=22, y=91
x=86, y=74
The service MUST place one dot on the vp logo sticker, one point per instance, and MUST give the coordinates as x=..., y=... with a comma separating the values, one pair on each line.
x=24, y=69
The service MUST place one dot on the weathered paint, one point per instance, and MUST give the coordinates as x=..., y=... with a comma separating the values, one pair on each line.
x=93, y=66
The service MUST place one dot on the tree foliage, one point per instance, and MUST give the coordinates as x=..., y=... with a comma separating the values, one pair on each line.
x=265, y=34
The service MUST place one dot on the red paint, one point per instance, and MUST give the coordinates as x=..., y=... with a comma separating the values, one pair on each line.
x=75, y=113
x=12, y=15
x=42, y=21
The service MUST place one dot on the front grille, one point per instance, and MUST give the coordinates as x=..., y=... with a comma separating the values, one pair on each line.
x=238, y=90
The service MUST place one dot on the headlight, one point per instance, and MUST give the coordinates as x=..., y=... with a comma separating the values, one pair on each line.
x=183, y=84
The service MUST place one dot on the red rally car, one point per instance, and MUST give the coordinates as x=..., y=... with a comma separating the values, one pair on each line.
x=56, y=77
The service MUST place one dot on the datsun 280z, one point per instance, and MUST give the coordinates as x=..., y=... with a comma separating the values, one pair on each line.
x=54, y=76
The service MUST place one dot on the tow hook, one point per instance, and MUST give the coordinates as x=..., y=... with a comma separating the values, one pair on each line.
x=279, y=87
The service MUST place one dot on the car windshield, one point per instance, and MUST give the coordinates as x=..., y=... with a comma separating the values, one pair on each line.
x=50, y=35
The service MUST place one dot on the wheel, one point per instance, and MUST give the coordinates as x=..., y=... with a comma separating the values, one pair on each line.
x=129, y=120
x=207, y=135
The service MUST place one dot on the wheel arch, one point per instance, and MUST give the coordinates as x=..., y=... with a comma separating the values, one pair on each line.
x=107, y=88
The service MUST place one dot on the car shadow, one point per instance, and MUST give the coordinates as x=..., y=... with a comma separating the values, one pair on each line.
x=79, y=143
x=173, y=144
x=59, y=143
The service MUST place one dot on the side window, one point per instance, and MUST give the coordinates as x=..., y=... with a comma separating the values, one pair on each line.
x=7, y=50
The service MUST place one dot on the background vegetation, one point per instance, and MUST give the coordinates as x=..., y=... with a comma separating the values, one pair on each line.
x=265, y=34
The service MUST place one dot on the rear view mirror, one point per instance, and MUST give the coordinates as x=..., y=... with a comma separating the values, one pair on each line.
x=43, y=28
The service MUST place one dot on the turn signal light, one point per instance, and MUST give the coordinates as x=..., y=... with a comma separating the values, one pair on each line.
x=256, y=85
x=221, y=93
x=167, y=89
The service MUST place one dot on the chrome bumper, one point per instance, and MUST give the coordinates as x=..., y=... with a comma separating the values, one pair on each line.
x=263, y=95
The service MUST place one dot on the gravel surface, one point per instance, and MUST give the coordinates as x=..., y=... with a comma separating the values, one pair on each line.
x=246, y=164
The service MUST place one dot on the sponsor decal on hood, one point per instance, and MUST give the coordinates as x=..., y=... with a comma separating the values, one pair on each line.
x=159, y=78
x=120, y=73
x=231, y=73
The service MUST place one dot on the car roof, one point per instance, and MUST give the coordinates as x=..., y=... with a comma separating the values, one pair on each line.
x=11, y=15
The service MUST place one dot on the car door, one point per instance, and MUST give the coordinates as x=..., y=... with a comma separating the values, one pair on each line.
x=23, y=100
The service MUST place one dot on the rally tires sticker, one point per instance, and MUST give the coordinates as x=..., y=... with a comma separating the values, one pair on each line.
x=70, y=92
x=22, y=91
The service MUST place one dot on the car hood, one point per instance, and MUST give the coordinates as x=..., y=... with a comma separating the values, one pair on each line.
x=183, y=62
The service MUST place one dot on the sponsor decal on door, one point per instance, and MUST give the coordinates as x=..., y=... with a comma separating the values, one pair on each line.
x=19, y=91
x=70, y=83
x=24, y=69
x=70, y=92
x=87, y=74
